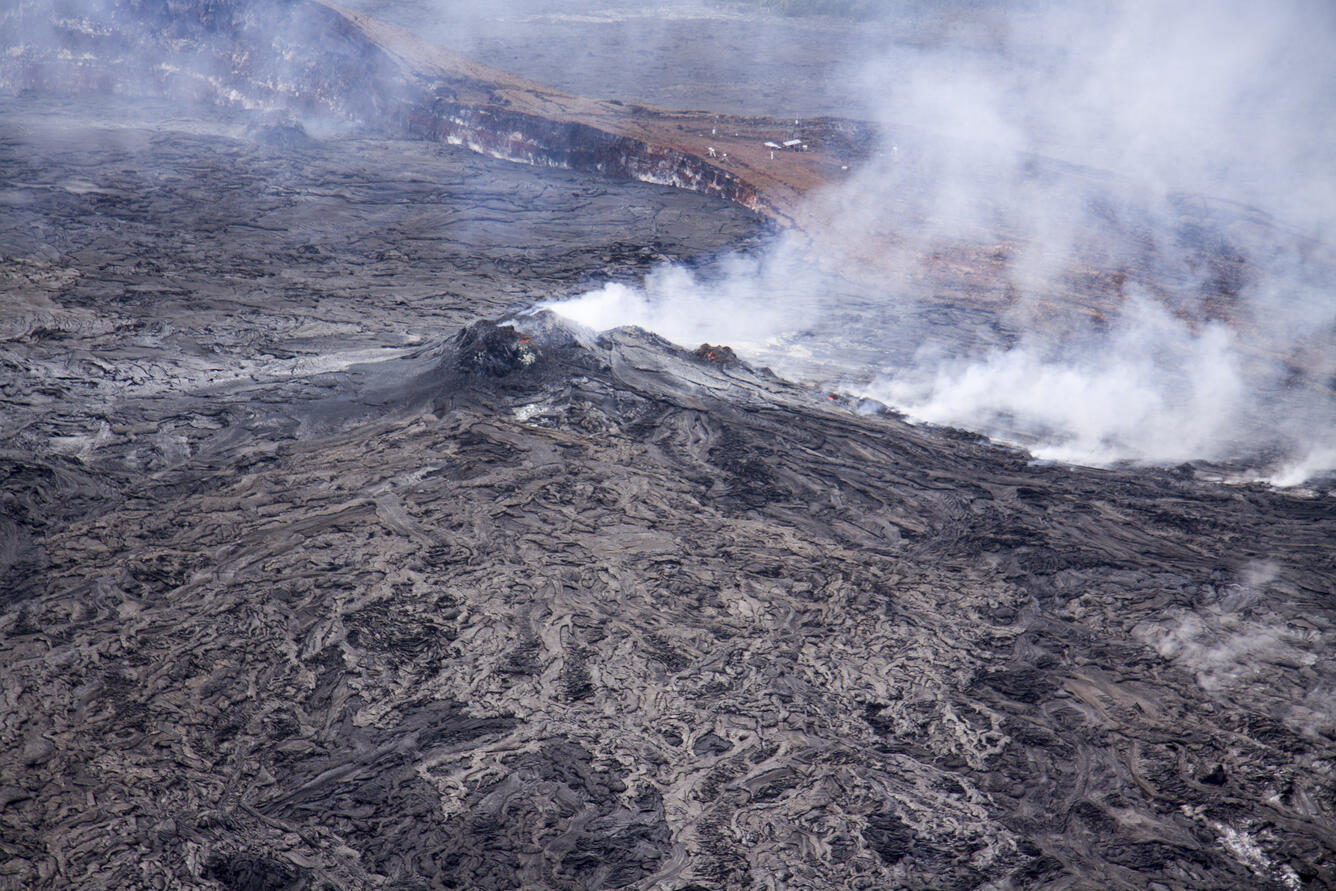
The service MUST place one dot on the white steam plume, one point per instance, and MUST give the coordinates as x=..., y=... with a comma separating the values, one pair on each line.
x=1193, y=145
x=747, y=302
x=1233, y=642
x=1149, y=391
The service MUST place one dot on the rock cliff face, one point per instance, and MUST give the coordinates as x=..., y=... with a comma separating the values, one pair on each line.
x=309, y=57
x=577, y=146
x=311, y=579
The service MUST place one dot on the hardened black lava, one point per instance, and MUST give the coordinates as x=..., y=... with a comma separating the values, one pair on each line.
x=323, y=566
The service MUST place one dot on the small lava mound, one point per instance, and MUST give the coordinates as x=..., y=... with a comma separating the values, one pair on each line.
x=492, y=350
x=718, y=355
x=288, y=135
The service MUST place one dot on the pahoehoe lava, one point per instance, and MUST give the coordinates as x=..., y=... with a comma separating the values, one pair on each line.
x=323, y=565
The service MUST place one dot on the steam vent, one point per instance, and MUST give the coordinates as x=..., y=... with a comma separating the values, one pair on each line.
x=338, y=550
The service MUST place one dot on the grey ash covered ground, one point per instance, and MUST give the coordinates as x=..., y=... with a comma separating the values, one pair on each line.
x=316, y=578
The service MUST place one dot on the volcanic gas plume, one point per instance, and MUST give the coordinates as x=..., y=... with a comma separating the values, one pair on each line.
x=1133, y=199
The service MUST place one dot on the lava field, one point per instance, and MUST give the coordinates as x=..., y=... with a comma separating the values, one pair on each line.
x=327, y=563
